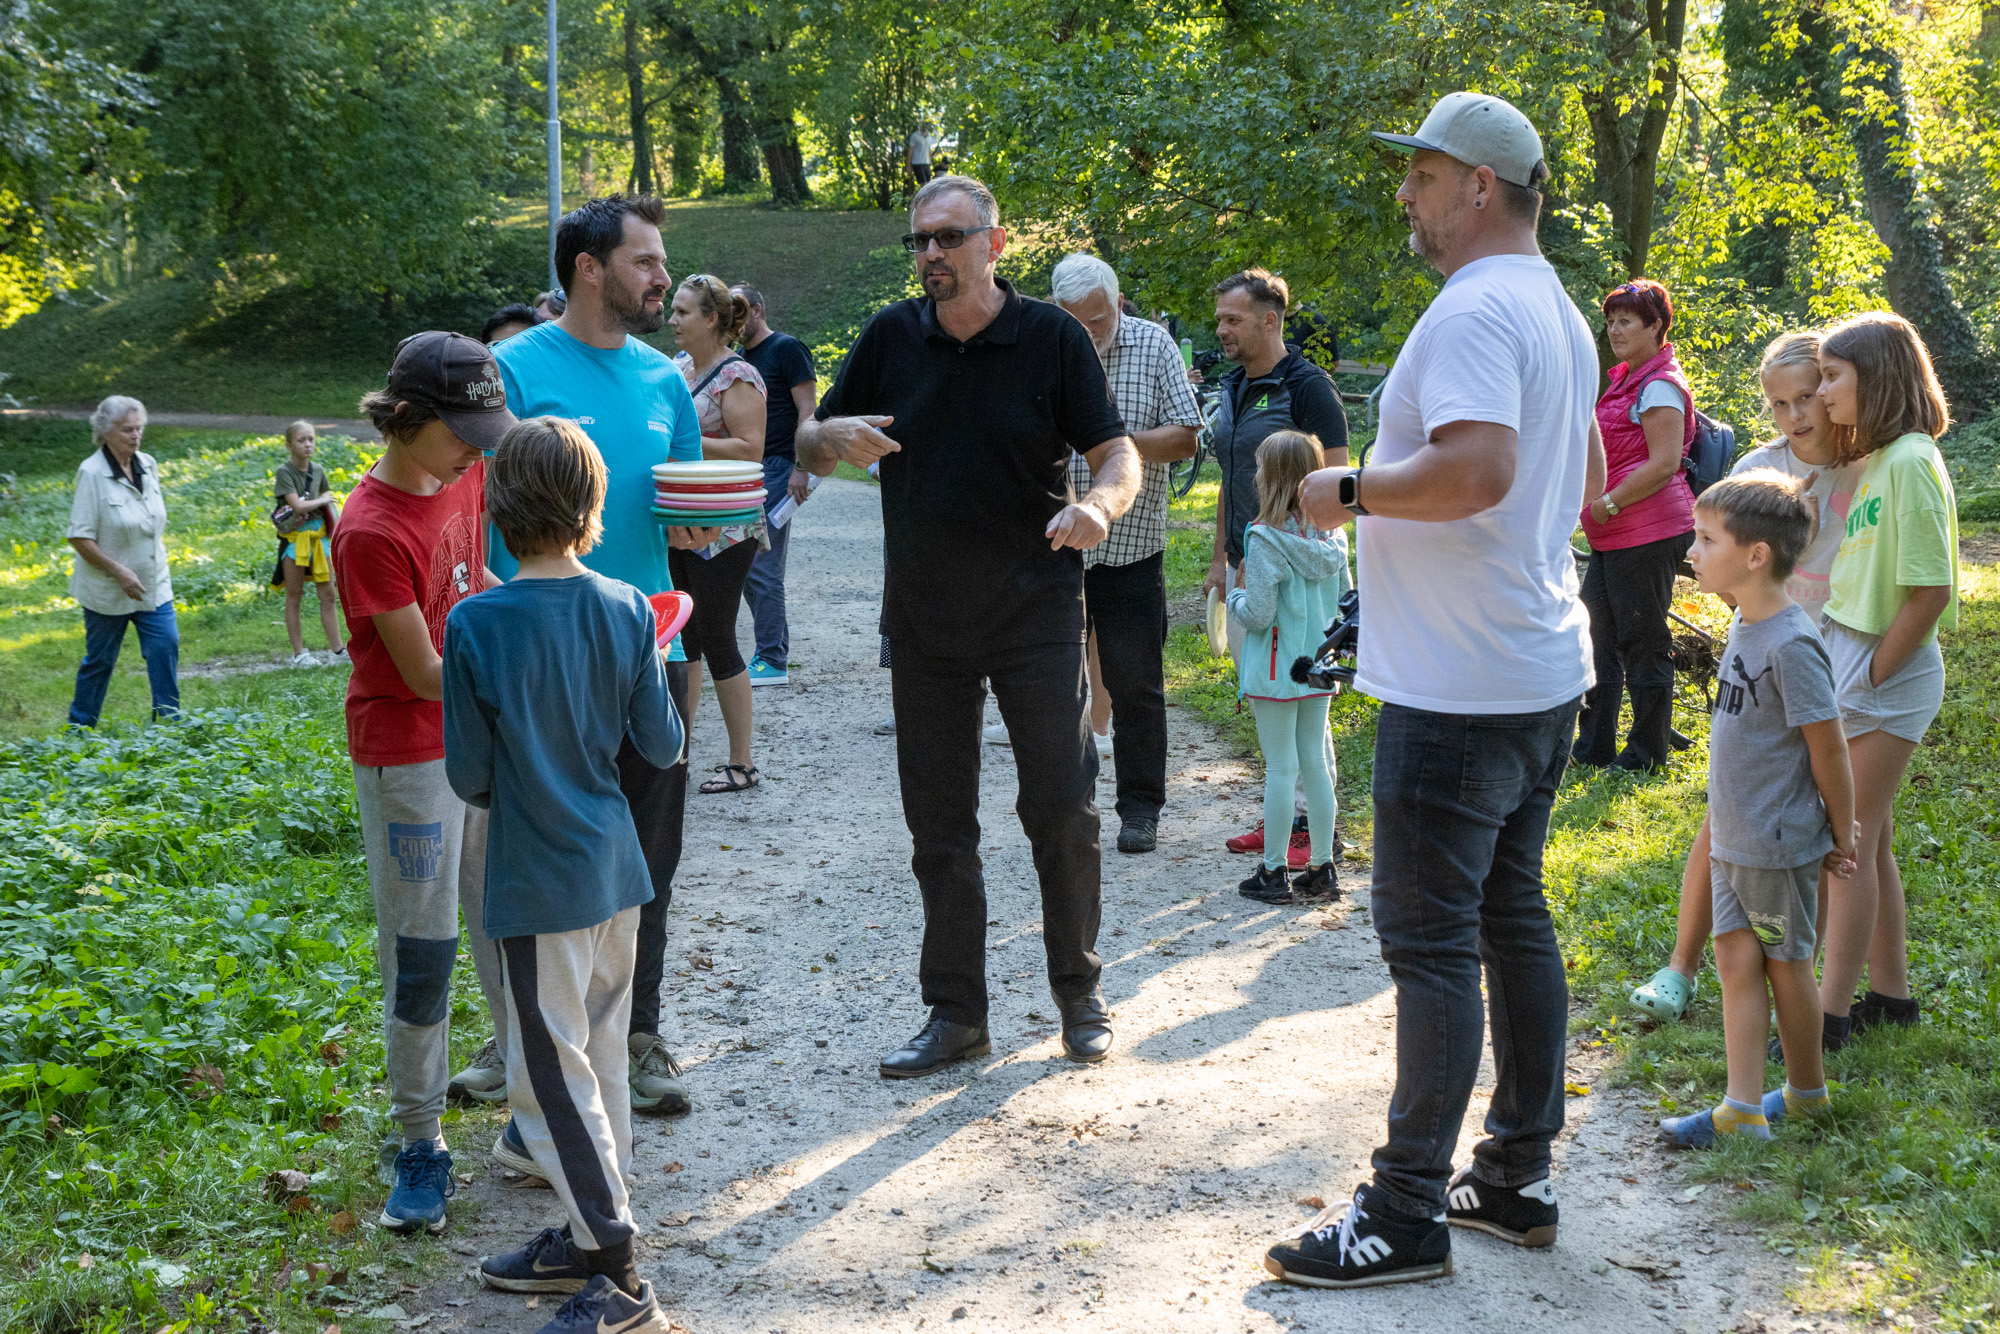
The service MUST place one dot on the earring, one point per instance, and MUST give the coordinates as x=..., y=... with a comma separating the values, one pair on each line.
x=1479, y=203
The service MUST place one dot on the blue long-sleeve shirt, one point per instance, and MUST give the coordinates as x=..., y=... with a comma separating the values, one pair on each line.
x=543, y=679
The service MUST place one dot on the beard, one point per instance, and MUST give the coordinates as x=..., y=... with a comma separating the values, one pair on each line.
x=941, y=281
x=1429, y=243
x=627, y=306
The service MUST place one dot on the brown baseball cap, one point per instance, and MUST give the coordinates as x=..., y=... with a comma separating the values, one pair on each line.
x=457, y=378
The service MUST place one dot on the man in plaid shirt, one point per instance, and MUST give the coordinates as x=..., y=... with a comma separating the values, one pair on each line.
x=1124, y=577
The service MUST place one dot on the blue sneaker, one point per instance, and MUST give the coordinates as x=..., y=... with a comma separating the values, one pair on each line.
x=423, y=1184
x=1774, y=1106
x=511, y=1152
x=548, y=1263
x=603, y=1308
x=764, y=674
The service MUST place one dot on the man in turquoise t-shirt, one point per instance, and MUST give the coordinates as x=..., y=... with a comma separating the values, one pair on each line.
x=630, y=399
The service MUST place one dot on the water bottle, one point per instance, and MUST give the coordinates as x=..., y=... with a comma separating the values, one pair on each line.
x=1187, y=354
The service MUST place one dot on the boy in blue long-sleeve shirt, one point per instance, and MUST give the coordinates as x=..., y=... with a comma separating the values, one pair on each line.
x=543, y=679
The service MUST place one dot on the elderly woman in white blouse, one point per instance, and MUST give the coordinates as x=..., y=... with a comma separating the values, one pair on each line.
x=117, y=524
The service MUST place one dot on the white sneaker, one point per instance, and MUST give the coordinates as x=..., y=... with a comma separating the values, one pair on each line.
x=1103, y=745
x=305, y=659
x=484, y=1079
x=996, y=735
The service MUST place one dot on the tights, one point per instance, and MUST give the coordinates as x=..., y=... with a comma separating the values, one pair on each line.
x=1290, y=731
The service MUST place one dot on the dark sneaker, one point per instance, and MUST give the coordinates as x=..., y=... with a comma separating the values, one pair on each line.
x=548, y=1263
x=1138, y=834
x=1524, y=1215
x=511, y=1152
x=602, y=1307
x=1321, y=882
x=1350, y=1246
x=423, y=1184
x=1874, y=1010
x=1267, y=885
x=1836, y=1031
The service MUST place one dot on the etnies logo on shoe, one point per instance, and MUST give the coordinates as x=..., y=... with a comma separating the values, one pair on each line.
x=1371, y=1249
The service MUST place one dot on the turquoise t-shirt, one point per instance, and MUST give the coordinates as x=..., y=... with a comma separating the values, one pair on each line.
x=635, y=407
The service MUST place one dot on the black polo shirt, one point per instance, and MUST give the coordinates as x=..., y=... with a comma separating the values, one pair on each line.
x=986, y=428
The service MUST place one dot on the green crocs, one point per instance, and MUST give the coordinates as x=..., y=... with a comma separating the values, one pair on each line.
x=1666, y=996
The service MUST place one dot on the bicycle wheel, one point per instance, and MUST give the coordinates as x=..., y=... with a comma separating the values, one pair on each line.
x=1181, y=475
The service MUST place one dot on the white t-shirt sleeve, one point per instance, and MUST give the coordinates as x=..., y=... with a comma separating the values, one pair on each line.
x=1658, y=394
x=1471, y=371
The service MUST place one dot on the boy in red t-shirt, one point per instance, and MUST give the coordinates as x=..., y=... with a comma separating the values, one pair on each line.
x=408, y=549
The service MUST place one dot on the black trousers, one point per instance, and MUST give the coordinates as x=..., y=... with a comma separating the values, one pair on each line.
x=939, y=703
x=1627, y=593
x=1127, y=606
x=658, y=798
x=717, y=589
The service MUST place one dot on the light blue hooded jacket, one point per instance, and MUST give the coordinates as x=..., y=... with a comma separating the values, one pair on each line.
x=1292, y=581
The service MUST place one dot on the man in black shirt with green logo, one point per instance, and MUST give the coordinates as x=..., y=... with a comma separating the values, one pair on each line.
x=972, y=399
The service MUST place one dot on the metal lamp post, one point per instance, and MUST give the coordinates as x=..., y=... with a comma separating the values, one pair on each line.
x=555, y=153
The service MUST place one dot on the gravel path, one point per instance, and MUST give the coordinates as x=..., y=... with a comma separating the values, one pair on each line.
x=1252, y=1071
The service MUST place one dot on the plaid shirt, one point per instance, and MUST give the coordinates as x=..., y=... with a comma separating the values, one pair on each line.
x=1149, y=385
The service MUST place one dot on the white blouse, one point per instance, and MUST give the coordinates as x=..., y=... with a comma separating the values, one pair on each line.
x=129, y=526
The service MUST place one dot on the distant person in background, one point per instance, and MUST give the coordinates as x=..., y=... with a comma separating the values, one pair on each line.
x=550, y=305
x=117, y=524
x=922, y=140
x=509, y=320
x=1124, y=577
x=300, y=485
x=1639, y=531
x=729, y=403
x=791, y=392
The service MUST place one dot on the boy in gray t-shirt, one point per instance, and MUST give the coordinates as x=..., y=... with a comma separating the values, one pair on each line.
x=1780, y=799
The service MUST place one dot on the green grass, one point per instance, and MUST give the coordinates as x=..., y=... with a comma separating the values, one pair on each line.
x=1893, y=1205
x=256, y=343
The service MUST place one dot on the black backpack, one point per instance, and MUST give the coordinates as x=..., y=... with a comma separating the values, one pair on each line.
x=1709, y=455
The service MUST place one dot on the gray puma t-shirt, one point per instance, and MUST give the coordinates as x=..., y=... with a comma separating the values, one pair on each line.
x=1763, y=806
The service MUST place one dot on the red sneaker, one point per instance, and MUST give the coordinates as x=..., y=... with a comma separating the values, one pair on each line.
x=1298, y=854
x=1250, y=842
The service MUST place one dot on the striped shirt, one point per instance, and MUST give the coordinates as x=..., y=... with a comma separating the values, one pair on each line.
x=1149, y=385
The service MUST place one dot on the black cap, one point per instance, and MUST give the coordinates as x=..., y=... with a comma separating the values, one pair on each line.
x=457, y=378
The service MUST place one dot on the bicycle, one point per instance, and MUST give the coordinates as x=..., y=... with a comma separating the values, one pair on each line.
x=1182, y=474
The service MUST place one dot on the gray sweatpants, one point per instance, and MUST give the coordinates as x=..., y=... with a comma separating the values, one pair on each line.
x=569, y=1002
x=426, y=854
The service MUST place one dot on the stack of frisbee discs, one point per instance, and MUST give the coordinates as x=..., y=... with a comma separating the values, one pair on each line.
x=708, y=494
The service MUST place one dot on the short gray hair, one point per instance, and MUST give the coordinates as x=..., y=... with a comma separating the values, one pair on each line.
x=984, y=205
x=111, y=411
x=1078, y=275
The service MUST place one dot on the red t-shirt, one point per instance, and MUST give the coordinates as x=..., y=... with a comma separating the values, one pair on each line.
x=391, y=549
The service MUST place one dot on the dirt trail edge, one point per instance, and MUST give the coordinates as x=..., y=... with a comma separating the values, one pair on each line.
x=1253, y=1070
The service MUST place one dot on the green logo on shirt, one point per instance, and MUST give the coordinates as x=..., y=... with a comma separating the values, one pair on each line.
x=1865, y=515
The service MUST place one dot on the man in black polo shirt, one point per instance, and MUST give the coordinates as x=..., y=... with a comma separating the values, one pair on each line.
x=972, y=399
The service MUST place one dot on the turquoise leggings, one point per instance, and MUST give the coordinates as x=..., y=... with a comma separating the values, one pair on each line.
x=1292, y=735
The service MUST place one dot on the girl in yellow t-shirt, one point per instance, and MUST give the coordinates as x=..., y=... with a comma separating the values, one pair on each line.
x=1894, y=582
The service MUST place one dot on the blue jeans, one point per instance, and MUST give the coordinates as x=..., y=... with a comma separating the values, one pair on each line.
x=765, y=588
x=104, y=636
x=1462, y=807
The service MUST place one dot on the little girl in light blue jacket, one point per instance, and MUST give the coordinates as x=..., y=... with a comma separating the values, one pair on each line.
x=1287, y=593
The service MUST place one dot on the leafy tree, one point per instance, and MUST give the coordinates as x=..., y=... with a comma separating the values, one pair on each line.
x=872, y=73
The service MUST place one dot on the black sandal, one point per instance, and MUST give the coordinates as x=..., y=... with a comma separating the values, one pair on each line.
x=728, y=783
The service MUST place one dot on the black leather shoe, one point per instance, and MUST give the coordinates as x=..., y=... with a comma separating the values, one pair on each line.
x=939, y=1044
x=1086, y=1034
x=1139, y=834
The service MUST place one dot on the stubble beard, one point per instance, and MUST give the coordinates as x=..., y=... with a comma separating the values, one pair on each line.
x=628, y=308
x=942, y=284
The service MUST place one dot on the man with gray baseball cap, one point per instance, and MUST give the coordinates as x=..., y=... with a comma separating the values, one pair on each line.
x=1479, y=649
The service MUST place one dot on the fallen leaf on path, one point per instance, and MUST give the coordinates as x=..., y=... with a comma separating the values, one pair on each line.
x=1692, y=1192
x=1641, y=1264
x=329, y=1122
x=1313, y=1202
x=532, y=1303
x=388, y=1312
x=702, y=961
x=1576, y=1090
x=332, y=1053
x=458, y=1301
x=287, y=1182
x=674, y=1167
x=300, y=1204
x=203, y=1081
x=341, y=1223
x=86, y=1260
x=678, y=1218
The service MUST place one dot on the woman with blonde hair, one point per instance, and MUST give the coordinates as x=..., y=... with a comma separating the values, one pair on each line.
x=1287, y=590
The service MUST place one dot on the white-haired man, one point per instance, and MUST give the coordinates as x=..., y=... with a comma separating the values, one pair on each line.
x=972, y=399
x=1124, y=577
x=1478, y=646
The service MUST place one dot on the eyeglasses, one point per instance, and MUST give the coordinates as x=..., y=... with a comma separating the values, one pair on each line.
x=951, y=238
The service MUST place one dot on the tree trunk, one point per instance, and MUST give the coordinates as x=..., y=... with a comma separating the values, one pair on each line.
x=1627, y=146
x=1885, y=144
x=779, y=139
x=688, y=139
x=635, y=93
x=739, y=137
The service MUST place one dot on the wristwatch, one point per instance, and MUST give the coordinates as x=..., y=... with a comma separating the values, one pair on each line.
x=1350, y=492
x=1610, y=505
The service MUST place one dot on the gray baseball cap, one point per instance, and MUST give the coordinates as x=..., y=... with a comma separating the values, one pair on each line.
x=457, y=378
x=1479, y=131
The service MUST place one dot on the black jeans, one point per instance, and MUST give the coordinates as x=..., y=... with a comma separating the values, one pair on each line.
x=658, y=798
x=1127, y=606
x=1627, y=593
x=1461, y=816
x=939, y=702
x=717, y=589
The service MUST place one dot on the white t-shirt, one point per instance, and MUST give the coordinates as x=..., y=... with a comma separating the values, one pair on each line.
x=1481, y=615
x=920, y=148
x=1832, y=490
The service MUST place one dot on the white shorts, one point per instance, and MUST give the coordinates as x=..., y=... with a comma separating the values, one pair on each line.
x=1903, y=706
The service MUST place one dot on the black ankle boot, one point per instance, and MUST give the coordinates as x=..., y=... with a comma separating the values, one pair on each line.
x=1267, y=885
x=1874, y=1010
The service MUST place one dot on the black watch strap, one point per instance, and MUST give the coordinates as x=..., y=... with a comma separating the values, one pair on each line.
x=1350, y=492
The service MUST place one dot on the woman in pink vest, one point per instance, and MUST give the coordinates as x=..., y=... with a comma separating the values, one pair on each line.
x=1639, y=531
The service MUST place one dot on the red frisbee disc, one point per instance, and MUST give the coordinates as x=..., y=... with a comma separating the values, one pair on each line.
x=671, y=610
x=715, y=488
